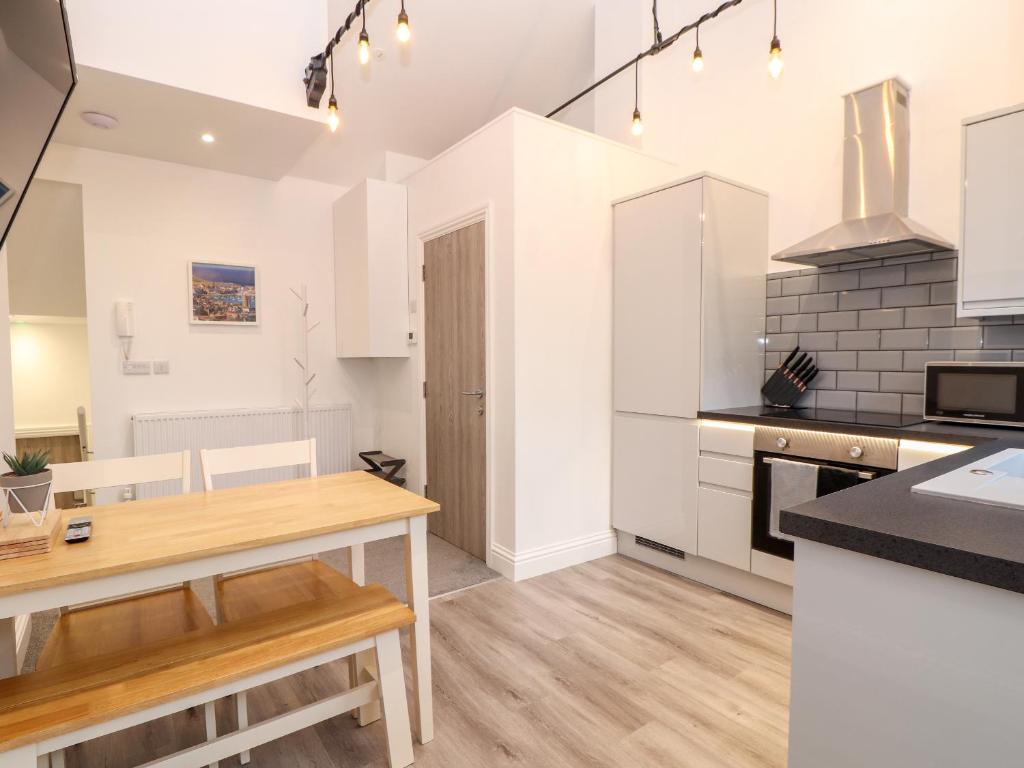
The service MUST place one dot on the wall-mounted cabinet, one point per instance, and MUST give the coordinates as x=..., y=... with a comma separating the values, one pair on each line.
x=992, y=228
x=371, y=277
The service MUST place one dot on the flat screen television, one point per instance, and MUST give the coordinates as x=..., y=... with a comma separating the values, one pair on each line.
x=37, y=77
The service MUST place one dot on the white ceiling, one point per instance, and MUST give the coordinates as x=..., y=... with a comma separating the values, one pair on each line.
x=467, y=63
x=161, y=122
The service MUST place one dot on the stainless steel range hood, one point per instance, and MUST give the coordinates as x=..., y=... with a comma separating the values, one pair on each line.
x=876, y=171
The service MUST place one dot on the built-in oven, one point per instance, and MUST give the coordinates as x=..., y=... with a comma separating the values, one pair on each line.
x=793, y=466
x=980, y=393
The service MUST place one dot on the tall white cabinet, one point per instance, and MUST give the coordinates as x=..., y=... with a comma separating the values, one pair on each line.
x=689, y=316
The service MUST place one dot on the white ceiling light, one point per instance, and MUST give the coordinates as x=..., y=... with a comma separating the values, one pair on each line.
x=208, y=138
x=100, y=120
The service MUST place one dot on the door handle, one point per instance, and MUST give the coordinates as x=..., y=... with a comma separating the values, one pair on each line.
x=474, y=393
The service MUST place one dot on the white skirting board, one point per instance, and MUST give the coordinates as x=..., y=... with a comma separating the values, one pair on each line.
x=534, y=562
x=759, y=590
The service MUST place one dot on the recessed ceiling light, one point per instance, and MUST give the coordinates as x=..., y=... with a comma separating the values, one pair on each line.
x=208, y=138
x=100, y=120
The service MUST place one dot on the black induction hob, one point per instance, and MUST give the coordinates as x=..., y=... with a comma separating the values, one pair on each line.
x=819, y=415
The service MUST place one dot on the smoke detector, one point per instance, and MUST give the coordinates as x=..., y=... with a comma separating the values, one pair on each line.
x=100, y=120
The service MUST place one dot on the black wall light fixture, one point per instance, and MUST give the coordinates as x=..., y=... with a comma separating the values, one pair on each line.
x=315, y=77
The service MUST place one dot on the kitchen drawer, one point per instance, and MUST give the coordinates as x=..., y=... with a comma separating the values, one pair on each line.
x=728, y=438
x=723, y=527
x=654, y=478
x=738, y=475
x=771, y=567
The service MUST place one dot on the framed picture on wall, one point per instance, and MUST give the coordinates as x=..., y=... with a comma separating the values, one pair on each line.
x=6, y=193
x=223, y=294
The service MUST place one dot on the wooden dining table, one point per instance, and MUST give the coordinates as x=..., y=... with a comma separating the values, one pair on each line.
x=148, y=544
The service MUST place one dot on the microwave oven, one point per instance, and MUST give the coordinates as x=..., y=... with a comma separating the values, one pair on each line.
x=976, y=393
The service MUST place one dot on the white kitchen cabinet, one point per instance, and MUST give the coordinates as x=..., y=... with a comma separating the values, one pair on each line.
x=371, y=276
x=654, y=478
x=724, y=527
x=992, y=228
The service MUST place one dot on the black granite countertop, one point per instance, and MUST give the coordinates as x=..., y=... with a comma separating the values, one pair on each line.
x=871, y=425
x=885, y=519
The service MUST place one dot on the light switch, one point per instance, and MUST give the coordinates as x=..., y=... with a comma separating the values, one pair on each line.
x=136, y=367
x=161, y=367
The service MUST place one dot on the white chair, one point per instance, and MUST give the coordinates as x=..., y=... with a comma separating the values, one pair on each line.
x=242, y=595
x=92, y=629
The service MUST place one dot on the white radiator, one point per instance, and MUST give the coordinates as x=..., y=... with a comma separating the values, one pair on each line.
x=331, y=425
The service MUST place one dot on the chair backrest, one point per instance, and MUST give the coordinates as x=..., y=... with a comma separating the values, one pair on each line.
x=109, y=473
x=224, y=461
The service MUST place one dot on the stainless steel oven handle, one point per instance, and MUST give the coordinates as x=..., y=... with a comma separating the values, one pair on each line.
x=862, y=475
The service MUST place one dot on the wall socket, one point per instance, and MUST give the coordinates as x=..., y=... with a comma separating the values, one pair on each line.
x=161, y=367
x=136, y=367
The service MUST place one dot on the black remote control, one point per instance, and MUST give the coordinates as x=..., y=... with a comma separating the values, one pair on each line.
x=79, y=529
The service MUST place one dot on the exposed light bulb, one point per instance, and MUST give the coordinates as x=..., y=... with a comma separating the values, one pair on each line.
x=698, y=60
x=364, y=48
x=775, y=64
x=402, y=31
x=638, y=123
x=333, y=120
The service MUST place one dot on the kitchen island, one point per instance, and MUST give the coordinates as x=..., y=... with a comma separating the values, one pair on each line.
x=908, y=626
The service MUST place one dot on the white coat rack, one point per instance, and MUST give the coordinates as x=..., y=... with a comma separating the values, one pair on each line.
x=307, y=375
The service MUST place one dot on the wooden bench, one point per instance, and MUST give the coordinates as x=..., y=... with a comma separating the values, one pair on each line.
x=49, y=710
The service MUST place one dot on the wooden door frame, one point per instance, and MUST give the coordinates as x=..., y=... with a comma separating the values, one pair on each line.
x=482, y=213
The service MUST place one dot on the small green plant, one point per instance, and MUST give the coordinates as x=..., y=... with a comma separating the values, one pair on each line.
x=30, y=463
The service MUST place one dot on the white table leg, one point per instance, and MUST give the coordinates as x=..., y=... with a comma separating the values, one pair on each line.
x=417, y=590
x=22, y=757
x=8, y=647
x=357, y=564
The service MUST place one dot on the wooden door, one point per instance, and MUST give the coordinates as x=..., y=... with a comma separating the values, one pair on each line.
x=454, y=388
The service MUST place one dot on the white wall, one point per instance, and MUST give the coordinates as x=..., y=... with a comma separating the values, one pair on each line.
x=50, y=374
x=253, y=52
x=6, y=386
x=143, y=221
x=46, y=264
x=547, y=190
x=785, y=136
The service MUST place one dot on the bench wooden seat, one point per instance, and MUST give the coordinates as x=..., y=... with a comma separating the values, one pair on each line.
x=57, y=707
x=123, y=624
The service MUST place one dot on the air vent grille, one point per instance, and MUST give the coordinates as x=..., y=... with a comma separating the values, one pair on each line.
x=642, y=542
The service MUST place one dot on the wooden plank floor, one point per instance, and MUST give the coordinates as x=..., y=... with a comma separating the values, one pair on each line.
x=610, y=664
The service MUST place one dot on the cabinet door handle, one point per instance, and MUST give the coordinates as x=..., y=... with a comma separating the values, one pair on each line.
x=474, y=393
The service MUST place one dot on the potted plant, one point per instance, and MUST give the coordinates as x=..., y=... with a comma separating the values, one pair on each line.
x=27, y=485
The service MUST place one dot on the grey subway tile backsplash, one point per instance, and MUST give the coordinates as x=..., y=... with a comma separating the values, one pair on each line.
x=839, y=281
x=914, y=360
x=943, y=293
x=880, y=402
x=984, y=355
x=888, y=360
x=837, y=321
x=1004, y=336
x=837, y=361
x=912, y=382
x=837, y=400
x=796, y=286
x=905, y=338
x=935, y=316
x=881, y=318
x=784, y=305
x=813, y=342
x=883, y=276
x=857, y=340
x=799, y=323
x=819, y=302
x=861, y=381
x=869, y=299
x=906, y=296
x=941, y=271
x=955, y=338
x=873, y=326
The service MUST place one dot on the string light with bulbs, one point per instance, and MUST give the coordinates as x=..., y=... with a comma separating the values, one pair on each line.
x=660, y=44
x=638, y=123
x=316, y=74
